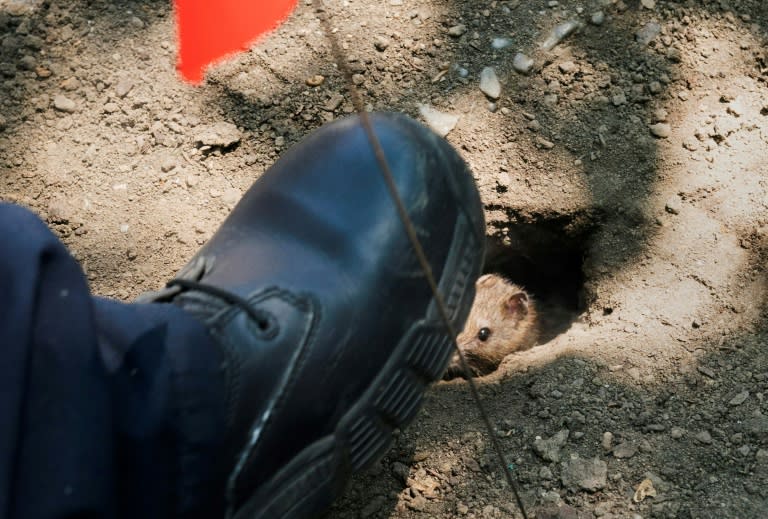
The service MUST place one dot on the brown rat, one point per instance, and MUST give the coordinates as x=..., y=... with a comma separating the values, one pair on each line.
x=502, y=321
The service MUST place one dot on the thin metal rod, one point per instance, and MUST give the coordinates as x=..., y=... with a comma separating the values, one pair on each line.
x=410, y=230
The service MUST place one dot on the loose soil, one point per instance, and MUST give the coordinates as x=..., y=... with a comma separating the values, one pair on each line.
x=625, y=185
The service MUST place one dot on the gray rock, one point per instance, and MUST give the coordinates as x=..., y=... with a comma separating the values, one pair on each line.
x=457, y=30
x=648, y=33
x=583, y=474
x=598, y=18
x=549, y=449
x=739, y=399
x=625, y=450
x=704, y=437
x=221, y=134
x=522, y=63
x=501, y=43
x=441, y=123
x=489, y=83
x=559, y=33
x=64, y=104
x=661, y=130
x=676, y=433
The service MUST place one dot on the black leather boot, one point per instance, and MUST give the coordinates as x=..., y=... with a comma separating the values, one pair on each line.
x=313, y=292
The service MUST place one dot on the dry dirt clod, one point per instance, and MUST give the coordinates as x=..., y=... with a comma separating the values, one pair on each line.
x=220, y=135
x=590, y=475
x=315, y=81
x=64, y=104
x=549, y=449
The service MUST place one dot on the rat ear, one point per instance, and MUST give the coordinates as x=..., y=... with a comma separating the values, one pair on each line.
x=487, y=280
x=516, y=305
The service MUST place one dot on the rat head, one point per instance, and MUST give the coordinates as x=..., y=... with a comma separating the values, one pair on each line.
x=502, y=321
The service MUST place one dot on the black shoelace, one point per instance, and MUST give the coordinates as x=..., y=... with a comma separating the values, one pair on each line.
x=264, y=321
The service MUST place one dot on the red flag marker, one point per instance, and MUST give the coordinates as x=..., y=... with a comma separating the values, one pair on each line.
x=210, y=31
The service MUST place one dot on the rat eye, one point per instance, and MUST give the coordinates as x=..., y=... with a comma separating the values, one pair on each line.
x=483, y=334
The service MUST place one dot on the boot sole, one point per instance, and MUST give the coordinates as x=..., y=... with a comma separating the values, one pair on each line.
x=316, y=476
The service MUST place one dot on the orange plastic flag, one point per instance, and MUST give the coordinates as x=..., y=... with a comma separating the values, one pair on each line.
x=212, y=30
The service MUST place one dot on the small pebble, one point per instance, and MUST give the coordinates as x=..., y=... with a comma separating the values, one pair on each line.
x=442, y=123
x=597, y=18
x=739, y=399
x=489, y=83
x=381, y=43
x=457, y=30
x=607, y=441
x=522, y=63
x=704, y=437
x=64, y=104
x=501, y=43
x=559, y=33
x=676, y=433
x=544, y=143
x=315, y=80
x=661, y=130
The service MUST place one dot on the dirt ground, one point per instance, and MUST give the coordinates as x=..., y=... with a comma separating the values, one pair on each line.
x=625, y=183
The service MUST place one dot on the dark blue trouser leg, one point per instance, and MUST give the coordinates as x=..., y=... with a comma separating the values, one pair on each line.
x=106, y=409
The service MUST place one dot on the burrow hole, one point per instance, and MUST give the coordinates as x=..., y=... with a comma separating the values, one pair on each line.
x=544, y=254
